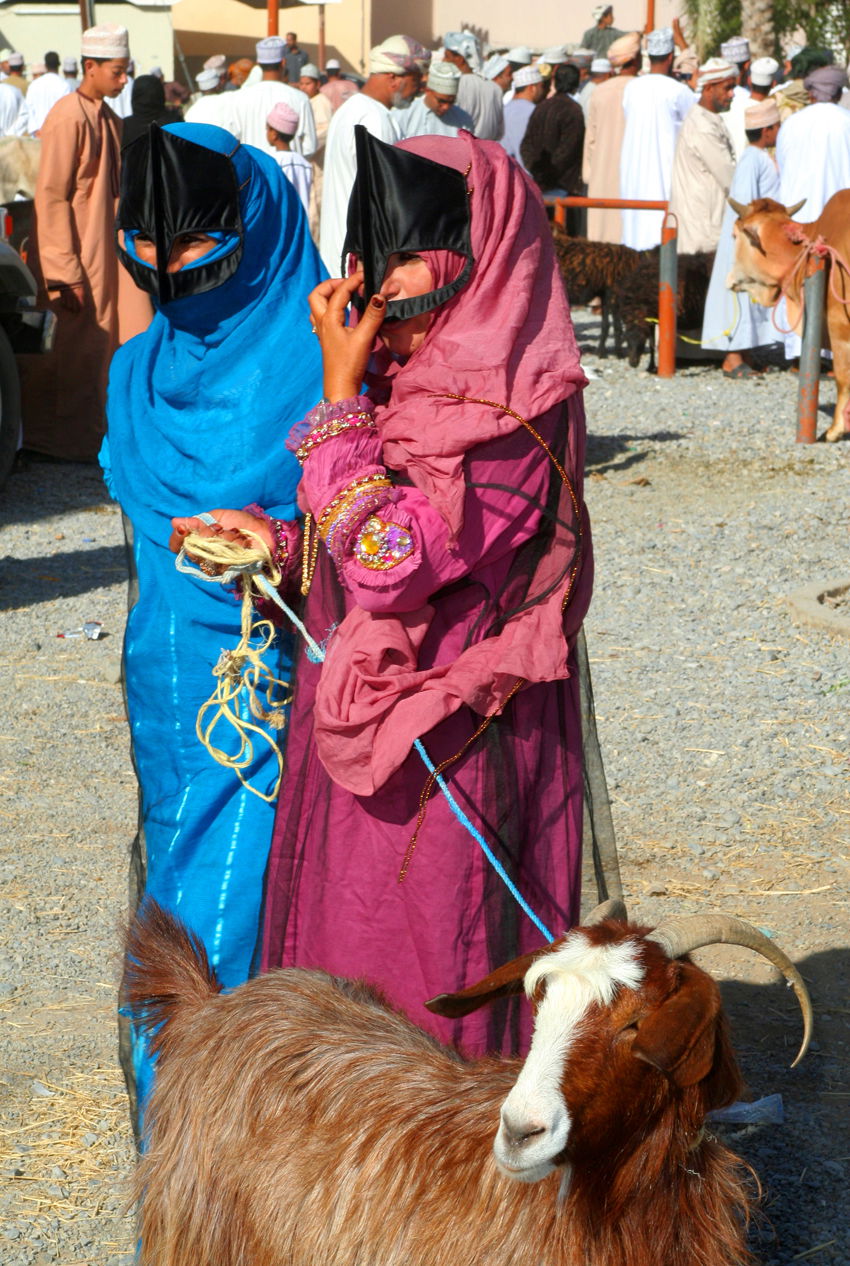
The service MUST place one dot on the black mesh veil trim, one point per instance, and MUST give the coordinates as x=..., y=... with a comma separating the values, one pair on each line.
x=171, y=186
x=402, y=202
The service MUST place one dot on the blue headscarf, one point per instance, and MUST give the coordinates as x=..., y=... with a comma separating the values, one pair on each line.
x=199, y=408
x=240, y=356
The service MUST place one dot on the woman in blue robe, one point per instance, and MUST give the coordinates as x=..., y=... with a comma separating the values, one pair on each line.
x=199, y=408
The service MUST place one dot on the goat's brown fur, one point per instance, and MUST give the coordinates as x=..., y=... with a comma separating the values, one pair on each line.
x=299, y=1121
x=594, y=270
x=635, y=299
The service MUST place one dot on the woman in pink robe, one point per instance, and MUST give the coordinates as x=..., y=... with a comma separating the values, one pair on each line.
x=451, y=580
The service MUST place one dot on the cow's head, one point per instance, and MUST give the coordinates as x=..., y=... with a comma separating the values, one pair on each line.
x=764, y=251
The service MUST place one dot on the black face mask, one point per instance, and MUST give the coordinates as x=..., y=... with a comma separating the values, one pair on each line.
x=171, y=186
x=403, y=202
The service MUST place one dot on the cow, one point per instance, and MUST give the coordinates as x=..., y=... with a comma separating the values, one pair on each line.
x=773, y=256
x=19, y=159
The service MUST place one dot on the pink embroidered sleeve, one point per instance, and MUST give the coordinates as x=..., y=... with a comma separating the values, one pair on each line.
x=390, y=545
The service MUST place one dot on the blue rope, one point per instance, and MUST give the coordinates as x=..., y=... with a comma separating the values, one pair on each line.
x=479, y=839
x=317, y=654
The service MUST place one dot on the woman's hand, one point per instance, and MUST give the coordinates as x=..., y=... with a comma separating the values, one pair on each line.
x=345, y=350
x=230, y=525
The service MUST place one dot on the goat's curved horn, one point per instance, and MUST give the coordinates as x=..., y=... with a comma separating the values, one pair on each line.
x=614, y=908
x=737, y=207
x=679, y=936
x=796, y=207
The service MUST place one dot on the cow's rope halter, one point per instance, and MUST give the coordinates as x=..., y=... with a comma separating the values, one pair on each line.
x=817, y=249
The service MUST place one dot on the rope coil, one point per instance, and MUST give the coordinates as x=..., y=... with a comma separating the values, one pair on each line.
x=241, y=673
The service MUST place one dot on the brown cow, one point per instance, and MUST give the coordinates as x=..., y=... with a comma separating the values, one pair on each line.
x=773, y=255
x=19, y=159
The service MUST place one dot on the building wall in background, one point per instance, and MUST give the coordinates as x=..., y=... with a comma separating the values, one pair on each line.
x=232, y=27
x=36, y=29
x=505, y=22
x=205, y=27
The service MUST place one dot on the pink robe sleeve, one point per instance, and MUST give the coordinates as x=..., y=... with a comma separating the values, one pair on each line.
x=395, y=555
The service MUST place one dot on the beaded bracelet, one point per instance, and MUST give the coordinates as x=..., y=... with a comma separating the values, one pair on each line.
x=330, y=430
x=280, y=550
x=280, y=553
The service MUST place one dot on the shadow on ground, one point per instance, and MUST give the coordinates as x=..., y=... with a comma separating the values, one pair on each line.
x=804, y=1163
x=35, y=492
x=25, y=582
x=607, y=453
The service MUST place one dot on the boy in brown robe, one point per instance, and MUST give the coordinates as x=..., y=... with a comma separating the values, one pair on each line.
x=73, y=255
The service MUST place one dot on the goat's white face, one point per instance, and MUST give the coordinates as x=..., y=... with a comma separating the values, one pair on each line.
x=535, y=1124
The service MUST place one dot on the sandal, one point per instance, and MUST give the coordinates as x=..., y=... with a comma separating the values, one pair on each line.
x=741, y=371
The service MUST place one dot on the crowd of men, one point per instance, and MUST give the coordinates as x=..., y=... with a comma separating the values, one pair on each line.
x=623, y=115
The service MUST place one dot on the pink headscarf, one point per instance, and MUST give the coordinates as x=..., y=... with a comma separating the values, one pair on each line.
x=505, y=337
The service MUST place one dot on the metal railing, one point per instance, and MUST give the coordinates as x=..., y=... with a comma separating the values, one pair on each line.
x=667, y=266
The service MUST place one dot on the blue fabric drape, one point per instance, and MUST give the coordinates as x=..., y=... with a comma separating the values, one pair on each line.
x=199, y=407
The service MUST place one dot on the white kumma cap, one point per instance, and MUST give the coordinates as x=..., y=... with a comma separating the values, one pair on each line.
x=526, y=76
x=105, y=42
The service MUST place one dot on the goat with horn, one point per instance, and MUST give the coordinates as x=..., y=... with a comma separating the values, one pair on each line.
x=300, y=1119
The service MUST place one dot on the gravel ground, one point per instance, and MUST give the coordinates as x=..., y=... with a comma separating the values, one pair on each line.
x=724, y=727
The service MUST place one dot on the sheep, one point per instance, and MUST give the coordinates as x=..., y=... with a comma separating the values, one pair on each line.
x=299, y=1120
x=591, y=270
x=635, y=300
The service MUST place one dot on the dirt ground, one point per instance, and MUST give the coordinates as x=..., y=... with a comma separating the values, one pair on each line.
x=68, y=809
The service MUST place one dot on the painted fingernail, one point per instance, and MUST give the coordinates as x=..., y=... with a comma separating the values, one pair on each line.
x=377, y=301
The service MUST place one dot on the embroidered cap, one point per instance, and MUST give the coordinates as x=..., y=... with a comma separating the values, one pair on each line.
x=207, y=79
x=526, y=76
x=762, y=71
x=105, y=42
x=443, y=77
x=660, y=43
x=495, y=65
x=270, y=51
x=736, y=50
x=761, y=114
x=282, y=118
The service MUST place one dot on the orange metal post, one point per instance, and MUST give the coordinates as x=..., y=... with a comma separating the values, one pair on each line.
x=667, y=285
x=622, y=203
x=667, y=282
x=274, y=18
x=650, y=16
x=321, y=36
